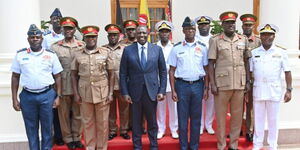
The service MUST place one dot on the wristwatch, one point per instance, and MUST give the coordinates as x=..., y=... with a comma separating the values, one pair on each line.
x=60, y=96
x=289, y=89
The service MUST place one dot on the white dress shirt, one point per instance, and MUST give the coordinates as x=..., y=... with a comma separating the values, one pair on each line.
x=51, y=38
x=145, y=50
x=203, y=39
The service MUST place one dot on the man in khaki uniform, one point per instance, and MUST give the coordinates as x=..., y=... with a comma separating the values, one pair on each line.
x=116, y=50
x=70, y=127
x=228, y=69
x=130, y=29
x=254, y=42
x=94, y=68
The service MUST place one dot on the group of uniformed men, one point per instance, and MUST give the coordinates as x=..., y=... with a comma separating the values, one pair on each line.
x=224, y=69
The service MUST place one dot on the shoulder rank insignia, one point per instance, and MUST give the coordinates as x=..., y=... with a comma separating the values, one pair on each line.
x=177, y=44
x=51, y=51
x=21, y=50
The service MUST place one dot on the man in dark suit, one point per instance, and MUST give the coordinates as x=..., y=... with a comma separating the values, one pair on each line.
x=143, y=79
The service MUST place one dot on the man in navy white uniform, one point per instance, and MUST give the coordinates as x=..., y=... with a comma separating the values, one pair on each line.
x=208, y=110
x=164, y=29
x=36, y=68
x=267, y=63
x=54, y=36
x=188, y=65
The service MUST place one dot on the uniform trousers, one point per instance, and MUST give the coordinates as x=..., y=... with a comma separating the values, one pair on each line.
x=162, y=114
x=249, y=114
x=37, y=109
x=69, y=118
x=208, y=112
x=234, y=98
x=123, y=106
x=95, y=125
x=263, y=109
x=189, y=106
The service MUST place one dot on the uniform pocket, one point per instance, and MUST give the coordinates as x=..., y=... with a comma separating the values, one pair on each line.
x=222, y=78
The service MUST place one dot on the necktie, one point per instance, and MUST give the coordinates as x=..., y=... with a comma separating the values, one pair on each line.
x=143, y=58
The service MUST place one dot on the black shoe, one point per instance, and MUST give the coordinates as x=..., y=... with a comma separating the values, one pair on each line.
x=59, y=142
x=71, y=146
x=78, y=144
x=232, y=149
x=125, y=136
x=249, y=137
x=112, y=136
x=241, y=133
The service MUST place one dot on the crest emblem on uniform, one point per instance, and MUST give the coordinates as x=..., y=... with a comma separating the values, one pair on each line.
x=68, y=20
x=197, y=49
x=248, y=18
x=90, y=29
x=267, y=27
x=230, y=15
x=130, y=23
x=202, y=19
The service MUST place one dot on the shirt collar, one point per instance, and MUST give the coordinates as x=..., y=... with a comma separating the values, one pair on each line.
x=168, y=44
x=271, y=48
x=184, y=43
x=55, y=34
x=140, y=46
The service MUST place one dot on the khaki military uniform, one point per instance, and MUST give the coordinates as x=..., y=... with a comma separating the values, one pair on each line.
x=123, y=106
x=230, y=78
x=126, y=42
x=93, y=87
x=70, y=127
x=254, y=42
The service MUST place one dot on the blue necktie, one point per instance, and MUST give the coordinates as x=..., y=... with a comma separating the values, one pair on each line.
x=143, y=58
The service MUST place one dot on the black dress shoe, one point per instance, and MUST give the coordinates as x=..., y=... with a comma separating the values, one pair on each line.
x=241, y=133
x=59, y=142
x=232, y=149
x=125, y=136
x=71, y=146
x=112, y=136
x=249, y=137
x=78, y=144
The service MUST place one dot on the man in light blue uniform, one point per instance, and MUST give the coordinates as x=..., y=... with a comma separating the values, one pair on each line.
x=188, y=66
x=54, y=36
x=36, y=67
x=56, y=33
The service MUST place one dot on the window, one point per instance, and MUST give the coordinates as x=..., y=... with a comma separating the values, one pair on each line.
x=130, y=10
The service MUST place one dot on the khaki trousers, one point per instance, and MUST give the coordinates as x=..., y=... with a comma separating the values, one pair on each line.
x=249, y=114
x=235, y=99
x=70, y=123
x=123, y=106
x=95, y=125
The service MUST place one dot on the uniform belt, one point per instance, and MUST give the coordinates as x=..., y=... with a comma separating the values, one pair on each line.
x=190, y=82
x=38, y=91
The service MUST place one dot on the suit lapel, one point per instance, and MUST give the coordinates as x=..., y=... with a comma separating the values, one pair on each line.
x=149, y=54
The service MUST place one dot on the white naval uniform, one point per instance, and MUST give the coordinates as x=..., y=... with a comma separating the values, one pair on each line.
x=51, y=38
x=267, y=67
x=208, y=109
x=36, y=68
x=162, y=105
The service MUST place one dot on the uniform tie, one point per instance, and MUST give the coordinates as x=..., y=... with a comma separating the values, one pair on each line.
x=143, y=58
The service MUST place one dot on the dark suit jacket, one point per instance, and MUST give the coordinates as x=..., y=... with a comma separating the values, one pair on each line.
x=132, y=75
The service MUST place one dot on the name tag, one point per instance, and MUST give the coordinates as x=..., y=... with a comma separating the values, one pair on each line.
x=26, y=58
x=257, y=56
x=100, y=57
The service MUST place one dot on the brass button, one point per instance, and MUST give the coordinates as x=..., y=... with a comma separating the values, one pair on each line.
x=234, y=68
x=92, y=83
x=91, y=71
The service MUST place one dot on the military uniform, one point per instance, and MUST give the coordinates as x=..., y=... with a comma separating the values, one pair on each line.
x=118, y=101
x=129, y=24
x=189, y=60
x=35, y=71
x=70, y=126
x=253, y=42
x=208, y=109
x=267, y=66
x=230, y=79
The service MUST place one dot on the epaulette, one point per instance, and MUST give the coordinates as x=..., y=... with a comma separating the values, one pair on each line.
x=280, y=47
x=201, y=43
x=216, y=35
x=51, y=51
x=61, y=42
x=79, y=43
x=21, y=50
x=177, y=44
